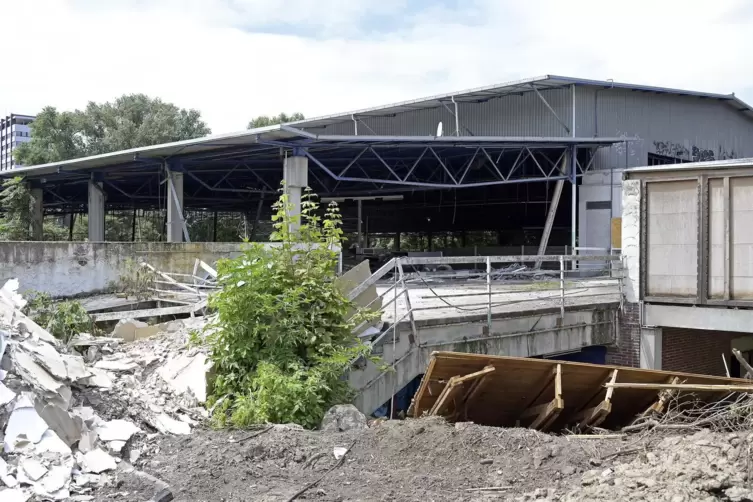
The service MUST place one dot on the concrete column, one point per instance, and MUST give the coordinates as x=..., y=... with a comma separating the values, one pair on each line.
x=650, y=348
x=96, y=212
x=175, y=206
x=296, y=176
x=37, y=214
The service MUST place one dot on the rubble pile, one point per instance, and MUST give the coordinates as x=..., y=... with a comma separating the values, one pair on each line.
x=62, y=436
x=699, y=467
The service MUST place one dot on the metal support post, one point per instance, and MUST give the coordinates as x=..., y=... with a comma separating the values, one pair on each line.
x=489, y=293
x=37, y=214
x=256, y=220
x=457, y=118
x=574, y=181
x=359, y=232
x=96, y=211
x=214, y=227
x=133, y=226
x=296, y=176
x=176, y=222
x=414, y=331
x=574, y=201
x=562, y=287
x=71, y=222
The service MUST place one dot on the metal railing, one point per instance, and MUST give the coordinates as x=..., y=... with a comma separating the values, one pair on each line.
x=450, y=286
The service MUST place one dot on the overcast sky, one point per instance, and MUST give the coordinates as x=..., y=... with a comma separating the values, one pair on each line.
x=235, y=59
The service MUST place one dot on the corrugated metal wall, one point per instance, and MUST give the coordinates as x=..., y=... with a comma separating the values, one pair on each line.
x=689, y=127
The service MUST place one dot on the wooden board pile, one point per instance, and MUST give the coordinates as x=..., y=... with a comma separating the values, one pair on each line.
x=550, y=395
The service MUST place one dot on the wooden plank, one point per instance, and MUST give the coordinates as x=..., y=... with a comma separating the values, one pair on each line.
x=473, y=392
x=738, y=355
x=593, y=417
x=548, y=415
x=444, y=397
x=477, y=374
x=663, y=397
x=416, y=404
x=687, y=387
x=553, y=408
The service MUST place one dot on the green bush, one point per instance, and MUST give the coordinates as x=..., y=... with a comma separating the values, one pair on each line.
x=282, y=340
x=63, y=320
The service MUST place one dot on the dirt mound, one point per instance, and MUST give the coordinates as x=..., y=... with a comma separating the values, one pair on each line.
x=412, y=460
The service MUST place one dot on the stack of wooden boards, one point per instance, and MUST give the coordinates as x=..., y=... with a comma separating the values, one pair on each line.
x=547, y=394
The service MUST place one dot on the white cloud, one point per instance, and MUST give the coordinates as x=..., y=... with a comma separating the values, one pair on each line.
x=214, y=55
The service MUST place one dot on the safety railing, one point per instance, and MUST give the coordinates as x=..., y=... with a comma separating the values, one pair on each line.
x=415, y=288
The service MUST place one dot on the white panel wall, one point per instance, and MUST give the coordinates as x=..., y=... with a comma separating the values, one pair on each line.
x=672, y=238
x=741, y=226
x=716, y=238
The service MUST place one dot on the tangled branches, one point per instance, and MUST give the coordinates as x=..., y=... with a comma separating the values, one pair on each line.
x=689, y=413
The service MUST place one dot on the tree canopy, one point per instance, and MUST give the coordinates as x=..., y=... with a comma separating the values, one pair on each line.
x=282, y=118
x=132, y=120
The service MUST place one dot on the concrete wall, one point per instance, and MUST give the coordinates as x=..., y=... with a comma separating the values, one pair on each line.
x=631, y=238
x=76, y=268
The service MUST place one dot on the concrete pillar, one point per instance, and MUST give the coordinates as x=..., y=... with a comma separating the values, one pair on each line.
x=650, y=348
x=175, y=206
x=96, y=212
x=37, y=214
x=296, y=176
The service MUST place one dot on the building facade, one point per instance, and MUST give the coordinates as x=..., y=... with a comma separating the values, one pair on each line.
x=665, y=126
x=14, y=130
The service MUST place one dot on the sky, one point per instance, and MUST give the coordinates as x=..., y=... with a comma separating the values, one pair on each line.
x=236, y=59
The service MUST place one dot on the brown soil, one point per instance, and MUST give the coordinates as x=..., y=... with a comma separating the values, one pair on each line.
x=415, y=460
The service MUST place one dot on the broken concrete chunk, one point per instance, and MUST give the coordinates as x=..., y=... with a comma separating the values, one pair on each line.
x=24, y=424
x=167, y=425
x=56, y=479
x=75, y=367
x=47, y=357
x=187, y=373
x=37, y=376
x=99, y=378
x=117, y=430
x=27, y=326
x=14, y=495
x=33, y=468
x=87, y=442
x=98, y=461
x=9, y=294
x=116, y=446
x=343, y=417
x=67, y=427
x=5, y=476
x=6, y=395
x=116, y=365
x=51, y=443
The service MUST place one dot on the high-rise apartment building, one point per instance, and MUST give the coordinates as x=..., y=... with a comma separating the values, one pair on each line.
x=14, y=130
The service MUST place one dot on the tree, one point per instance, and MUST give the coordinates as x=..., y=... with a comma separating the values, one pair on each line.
x=15, y=217
x=131, y=121
x=282, y=118
x=283, y=337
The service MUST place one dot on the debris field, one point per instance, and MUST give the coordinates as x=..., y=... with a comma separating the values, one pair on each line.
x=122, y=418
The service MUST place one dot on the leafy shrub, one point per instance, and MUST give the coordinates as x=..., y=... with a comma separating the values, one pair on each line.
x=63, y=320
x=282, y=340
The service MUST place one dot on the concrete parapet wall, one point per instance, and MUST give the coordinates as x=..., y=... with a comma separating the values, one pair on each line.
x=76, y=268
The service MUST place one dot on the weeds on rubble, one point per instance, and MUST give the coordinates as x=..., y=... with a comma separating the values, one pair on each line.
x=136, y=280
x=282, y=339
x=63, y=320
